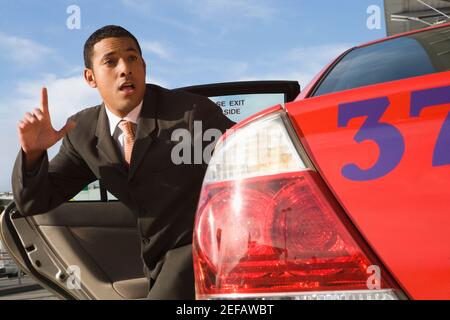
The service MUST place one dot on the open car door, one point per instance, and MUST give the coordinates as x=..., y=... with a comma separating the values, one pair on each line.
x=89, y=247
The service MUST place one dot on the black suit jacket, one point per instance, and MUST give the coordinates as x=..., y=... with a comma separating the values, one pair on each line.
x=161, y=194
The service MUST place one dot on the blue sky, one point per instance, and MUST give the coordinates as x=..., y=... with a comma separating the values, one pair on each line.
x=184, y=42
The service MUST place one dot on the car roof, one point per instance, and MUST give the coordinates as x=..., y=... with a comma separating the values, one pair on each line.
x=309, y=87
x=443, y=25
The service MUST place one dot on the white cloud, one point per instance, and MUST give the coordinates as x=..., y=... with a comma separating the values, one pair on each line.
x=177, y=24
x=231, y=8
x=195, y=70
x=299, y=64
x=317, y=56
x=230, y=16
x=21, y=50
x=137, y=4
x=212, y=8
x=157, y=81
x=146, y=8
x=66, y=97
x=156, y=48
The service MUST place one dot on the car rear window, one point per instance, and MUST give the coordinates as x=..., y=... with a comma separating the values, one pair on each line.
x=405, y=57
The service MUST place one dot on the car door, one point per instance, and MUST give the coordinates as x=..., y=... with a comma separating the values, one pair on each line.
x=89, y=247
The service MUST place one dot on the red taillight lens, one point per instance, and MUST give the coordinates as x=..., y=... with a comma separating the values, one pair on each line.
x=274, y=234
x=266, y=225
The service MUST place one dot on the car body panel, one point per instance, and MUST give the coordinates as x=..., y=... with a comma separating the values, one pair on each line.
x=399, y=198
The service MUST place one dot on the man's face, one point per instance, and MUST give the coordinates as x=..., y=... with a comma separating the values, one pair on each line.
x=118, y=71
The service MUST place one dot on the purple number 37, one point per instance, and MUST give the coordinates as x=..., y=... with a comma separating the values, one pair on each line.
x=388, y=138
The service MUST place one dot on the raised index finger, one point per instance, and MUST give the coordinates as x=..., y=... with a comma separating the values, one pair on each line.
x=44, y=100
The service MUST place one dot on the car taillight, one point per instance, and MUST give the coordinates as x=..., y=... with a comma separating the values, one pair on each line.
x=267, y=227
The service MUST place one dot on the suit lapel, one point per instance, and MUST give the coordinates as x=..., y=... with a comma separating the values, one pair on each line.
x=146, y=125
x=105, y=144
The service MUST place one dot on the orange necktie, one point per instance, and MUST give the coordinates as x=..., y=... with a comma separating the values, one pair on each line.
x=127, y=128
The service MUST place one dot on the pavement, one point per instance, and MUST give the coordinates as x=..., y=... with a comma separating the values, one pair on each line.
x=25, y=289
x=41, y=294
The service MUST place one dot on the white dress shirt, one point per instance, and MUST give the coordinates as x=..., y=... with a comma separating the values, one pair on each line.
x=114, y=120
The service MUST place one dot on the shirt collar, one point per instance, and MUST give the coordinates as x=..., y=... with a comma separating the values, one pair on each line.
x=114, y=120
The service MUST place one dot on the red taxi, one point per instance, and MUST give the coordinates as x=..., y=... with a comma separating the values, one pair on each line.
x=343, y=193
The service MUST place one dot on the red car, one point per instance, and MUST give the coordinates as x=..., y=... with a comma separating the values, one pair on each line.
x=343, y=193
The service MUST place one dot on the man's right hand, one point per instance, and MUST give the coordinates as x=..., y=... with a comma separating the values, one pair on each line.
x=36, y=133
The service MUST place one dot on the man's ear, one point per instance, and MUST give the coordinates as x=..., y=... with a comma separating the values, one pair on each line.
x=89, y=77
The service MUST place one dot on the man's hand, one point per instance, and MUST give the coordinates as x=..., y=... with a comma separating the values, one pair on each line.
x=36, y=133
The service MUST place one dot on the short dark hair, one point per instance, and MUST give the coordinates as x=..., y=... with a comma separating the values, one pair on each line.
x=110, y=31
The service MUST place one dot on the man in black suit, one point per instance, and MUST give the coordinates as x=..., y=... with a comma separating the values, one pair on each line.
x=126, y=143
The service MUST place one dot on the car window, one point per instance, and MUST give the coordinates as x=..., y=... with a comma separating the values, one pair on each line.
x=111, y=197
x=241, y=106
x=90, y=193
x=395, y=59
x=93, y=192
